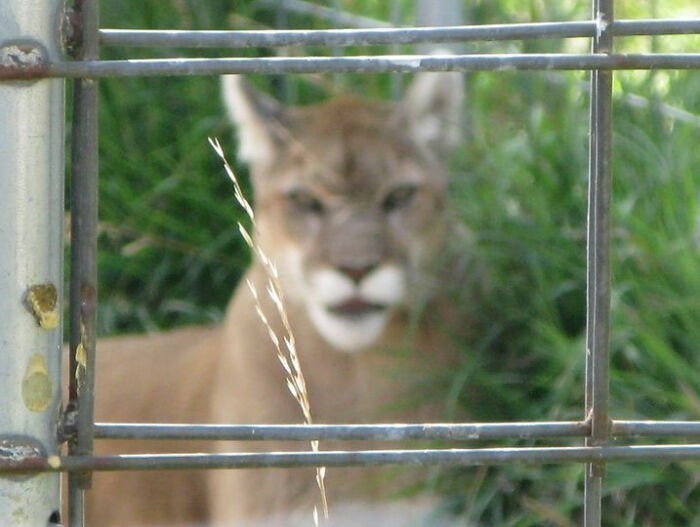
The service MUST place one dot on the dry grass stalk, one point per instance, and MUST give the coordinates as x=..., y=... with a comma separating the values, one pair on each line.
x=287, y=353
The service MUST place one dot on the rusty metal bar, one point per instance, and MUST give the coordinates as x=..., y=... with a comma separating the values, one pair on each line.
x=390, y=35
x=360, y=64
x=388, y=432
x=655, y=429
x=461, y=457
x=392, y=432
x=83, y=276
x=598, y=255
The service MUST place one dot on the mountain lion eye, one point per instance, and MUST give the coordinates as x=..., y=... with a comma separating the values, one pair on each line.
x=399, y=197
x=304, y=201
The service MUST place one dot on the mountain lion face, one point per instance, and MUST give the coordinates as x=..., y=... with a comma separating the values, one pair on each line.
x=350, y=199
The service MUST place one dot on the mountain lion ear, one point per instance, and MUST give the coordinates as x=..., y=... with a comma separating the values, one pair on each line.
x=432, y=107
x=261, y=120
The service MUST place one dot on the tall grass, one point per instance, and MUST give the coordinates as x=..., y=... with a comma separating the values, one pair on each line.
x=285, y=344
x=171, y=253
x=524, y=195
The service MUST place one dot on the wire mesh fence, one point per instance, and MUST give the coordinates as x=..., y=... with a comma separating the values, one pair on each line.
x=25, y=59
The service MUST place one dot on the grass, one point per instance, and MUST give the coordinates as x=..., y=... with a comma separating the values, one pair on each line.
x=170, y=251
x=526, y=201
x=284, y=344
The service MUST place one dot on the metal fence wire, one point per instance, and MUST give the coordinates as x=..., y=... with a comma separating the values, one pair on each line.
x=34, y=39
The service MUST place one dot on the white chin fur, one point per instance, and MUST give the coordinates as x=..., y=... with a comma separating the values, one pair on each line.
x=328, y=288
x=325, y=288
x=385, y=285
x=348, y=334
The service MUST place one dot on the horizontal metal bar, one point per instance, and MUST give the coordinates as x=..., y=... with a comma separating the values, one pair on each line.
x=343, y=37
x=387, y=36
x=642, y=27
x=359, y=64
x=462, y=457
x=656, y=429
x=389, y=432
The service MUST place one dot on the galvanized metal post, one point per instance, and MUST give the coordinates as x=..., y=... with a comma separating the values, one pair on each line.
x=31, y=262
x=599, y=274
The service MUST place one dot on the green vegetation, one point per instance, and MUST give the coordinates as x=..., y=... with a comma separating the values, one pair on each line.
x=170, y=253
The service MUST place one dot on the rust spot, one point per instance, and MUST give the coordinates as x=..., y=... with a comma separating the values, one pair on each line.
x=88, y=300
x=36, y=385
x=71, y=29
x=21, y=56
x=80, y=363
x=88, y=304
x=41, y=302
x=22, y=60
x=17, y=453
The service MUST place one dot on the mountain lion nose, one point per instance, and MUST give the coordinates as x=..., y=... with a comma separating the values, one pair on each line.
x=356, y=273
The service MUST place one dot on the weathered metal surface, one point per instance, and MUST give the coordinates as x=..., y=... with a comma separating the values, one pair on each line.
x=31, y=259
x=83, y=278
x=455, y=457
x=599, y=262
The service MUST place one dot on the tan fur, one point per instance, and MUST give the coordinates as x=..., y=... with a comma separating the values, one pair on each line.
x=348, y=192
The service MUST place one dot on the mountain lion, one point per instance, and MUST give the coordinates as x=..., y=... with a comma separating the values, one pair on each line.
x=351, y=201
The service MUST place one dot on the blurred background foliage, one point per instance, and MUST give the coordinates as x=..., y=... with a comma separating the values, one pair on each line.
x=170, y=253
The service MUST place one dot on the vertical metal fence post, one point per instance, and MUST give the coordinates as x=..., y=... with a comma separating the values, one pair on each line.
x=83, y=279
x=31, y=260
x=599, y=275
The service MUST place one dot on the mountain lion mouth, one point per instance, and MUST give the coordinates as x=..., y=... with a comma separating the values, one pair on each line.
x=356, y=308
